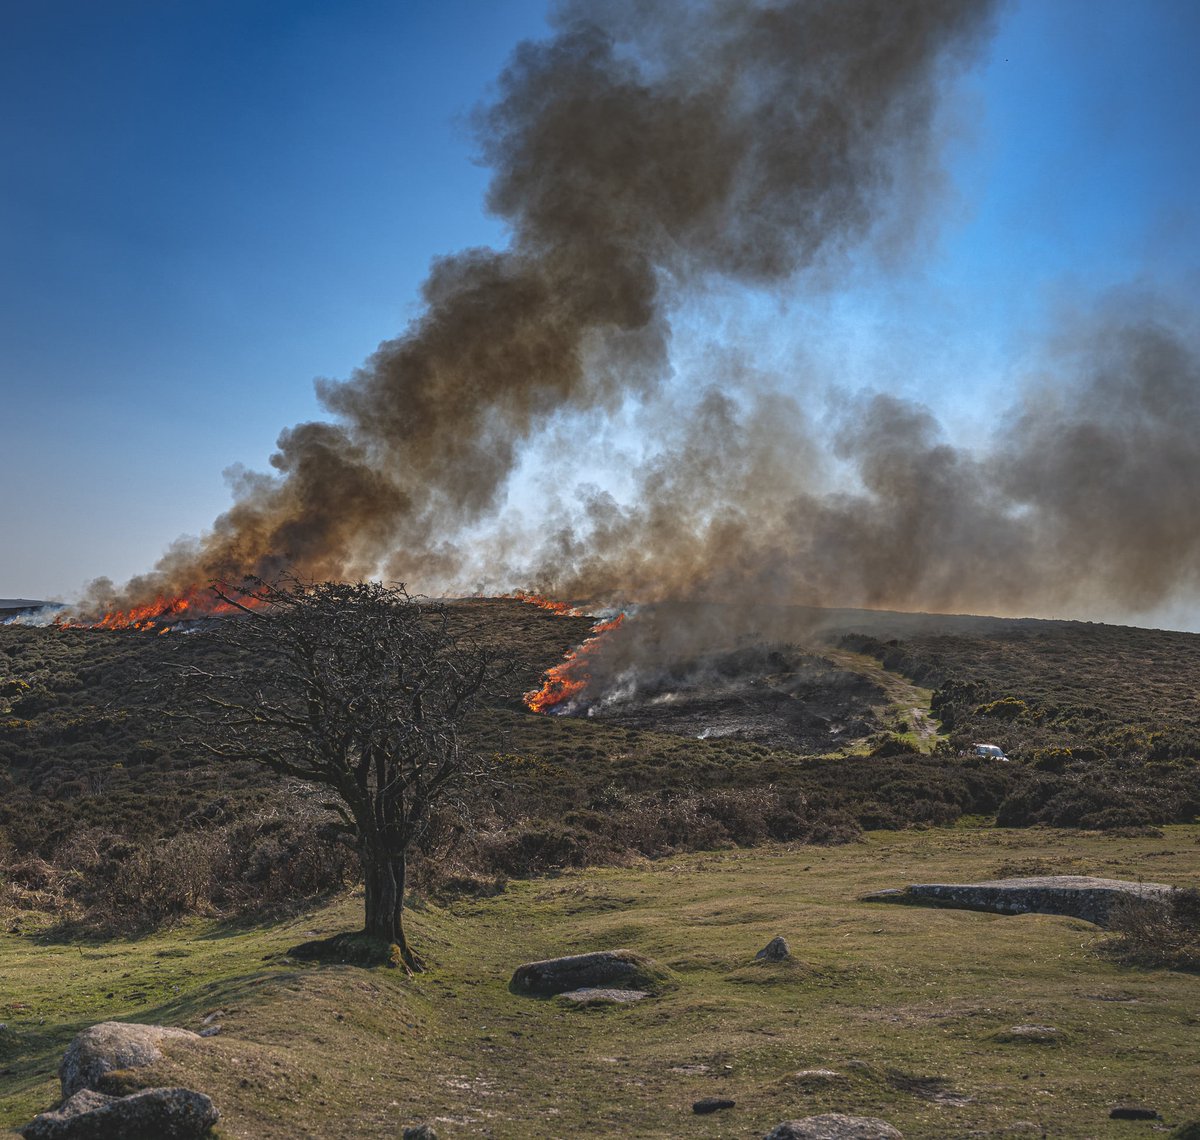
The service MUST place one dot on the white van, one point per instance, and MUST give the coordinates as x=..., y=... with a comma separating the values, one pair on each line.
x=988, y=752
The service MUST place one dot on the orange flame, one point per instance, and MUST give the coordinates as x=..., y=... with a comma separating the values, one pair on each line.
x=571, y=677
x=560, y=608
x=159, y=615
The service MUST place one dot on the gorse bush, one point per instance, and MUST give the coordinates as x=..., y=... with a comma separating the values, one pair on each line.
x=1101, y=797
x=1004, y=708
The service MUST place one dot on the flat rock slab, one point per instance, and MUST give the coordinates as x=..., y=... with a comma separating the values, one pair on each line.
x=113, y=1045
x=161, y=1114
x=616, y=969
x=835, y=1126
x=1079, y=896
x=598, y=996
x=1133, y=1112
x=1030, y=1035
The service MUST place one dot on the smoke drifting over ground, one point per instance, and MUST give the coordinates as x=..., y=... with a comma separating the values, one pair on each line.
x=643, y=153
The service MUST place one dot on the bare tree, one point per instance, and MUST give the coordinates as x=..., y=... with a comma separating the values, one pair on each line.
x=361, y=688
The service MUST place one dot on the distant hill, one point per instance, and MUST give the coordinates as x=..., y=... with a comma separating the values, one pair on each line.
x=10, y=606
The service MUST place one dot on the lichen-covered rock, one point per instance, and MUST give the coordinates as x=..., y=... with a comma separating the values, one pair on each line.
x=113, y=1045
x=54, y=1123
x=835, y=1126
x=153, y=1114
x=617, y=969
x=1078, y=896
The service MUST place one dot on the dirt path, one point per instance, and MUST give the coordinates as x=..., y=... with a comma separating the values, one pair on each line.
x=908, y=704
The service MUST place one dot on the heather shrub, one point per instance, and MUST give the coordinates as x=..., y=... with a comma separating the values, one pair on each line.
x=892, y=745
x=1150, y=932
x=1102, y=798
x=621, y=824
x=106, y=882
x=531, y=847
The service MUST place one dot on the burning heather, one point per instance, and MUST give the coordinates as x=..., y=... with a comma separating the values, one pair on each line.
x=560, y=608
x=159, y=615
x=644, y=158
x=565, y=683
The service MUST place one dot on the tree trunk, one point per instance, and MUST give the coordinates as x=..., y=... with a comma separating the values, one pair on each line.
x=384, y=877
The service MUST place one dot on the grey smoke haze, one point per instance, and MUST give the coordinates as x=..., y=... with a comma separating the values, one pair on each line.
x=642, y=153
x=1083, y=499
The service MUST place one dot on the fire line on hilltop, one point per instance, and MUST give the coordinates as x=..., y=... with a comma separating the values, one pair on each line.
x=158, y=616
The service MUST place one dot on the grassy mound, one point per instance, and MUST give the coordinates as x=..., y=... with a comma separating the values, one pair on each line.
x=356, y=949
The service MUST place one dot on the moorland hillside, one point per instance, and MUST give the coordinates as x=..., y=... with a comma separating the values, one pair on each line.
x=104, y=793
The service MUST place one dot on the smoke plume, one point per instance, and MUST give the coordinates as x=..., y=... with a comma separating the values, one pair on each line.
x=640, y=152
x=643, y=155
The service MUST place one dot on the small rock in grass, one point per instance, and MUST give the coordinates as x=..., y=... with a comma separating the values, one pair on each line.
x=165, y=1114
x=1030, y=1035
x=777, y=950
x=815, y=1078
x=711, y=1104
x=598, y=996
x=835, y=1126
x=1016, y=1128
x=622, y=969
x=1132, y=1112
x=419, y=1132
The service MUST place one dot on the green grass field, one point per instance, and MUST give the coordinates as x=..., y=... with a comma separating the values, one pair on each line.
x=904, y=1005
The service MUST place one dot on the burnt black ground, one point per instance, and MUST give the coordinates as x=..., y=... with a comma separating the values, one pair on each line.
x=780, y=697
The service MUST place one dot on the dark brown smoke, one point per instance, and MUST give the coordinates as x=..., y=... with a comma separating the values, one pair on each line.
x=643, y=152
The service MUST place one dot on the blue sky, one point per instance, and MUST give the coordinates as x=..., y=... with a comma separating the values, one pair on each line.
x=203, y=207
